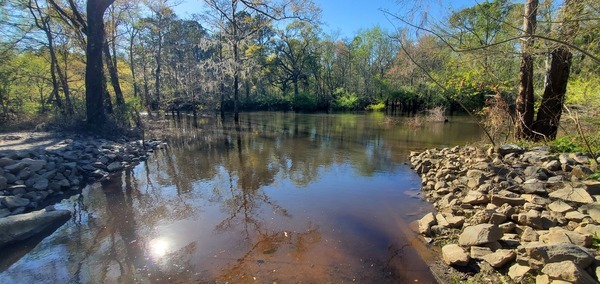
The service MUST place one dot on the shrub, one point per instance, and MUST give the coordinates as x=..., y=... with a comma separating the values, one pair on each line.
x=376, y=107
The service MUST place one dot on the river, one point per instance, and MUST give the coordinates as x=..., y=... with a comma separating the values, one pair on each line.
x=277, y=198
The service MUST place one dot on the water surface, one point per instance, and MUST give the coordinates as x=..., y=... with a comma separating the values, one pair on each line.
x=286, y=198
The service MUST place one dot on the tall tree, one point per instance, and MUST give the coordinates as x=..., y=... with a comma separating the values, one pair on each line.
x=94, y=72
x=525, y=98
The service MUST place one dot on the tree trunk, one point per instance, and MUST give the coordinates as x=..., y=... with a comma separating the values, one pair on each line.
x=158, y=70
x=525, y=99
x=236, y=88
x=94, y=73
x=114, y=76
x=550, y=111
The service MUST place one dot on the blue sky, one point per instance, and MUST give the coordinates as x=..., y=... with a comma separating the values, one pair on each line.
x=347, y=17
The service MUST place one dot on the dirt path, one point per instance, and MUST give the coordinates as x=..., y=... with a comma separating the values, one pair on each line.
x=27, y=140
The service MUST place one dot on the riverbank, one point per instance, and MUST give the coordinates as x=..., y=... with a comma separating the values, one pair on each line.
x=512, y=213
x=39, y=169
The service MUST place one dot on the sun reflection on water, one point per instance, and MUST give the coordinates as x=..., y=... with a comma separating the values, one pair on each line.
x=159, y=247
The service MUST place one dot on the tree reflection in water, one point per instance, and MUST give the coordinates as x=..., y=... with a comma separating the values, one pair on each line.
x=278, y=197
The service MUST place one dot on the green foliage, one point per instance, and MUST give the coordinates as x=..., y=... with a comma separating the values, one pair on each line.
x=376, y=107
x=305, y=102
x=345, y=100
x=574, y=143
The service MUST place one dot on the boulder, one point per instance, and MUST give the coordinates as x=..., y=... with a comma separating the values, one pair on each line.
x=500, y=258
x=557, y=253
x=480, y=234
x=567, y=271
x=507, y=197
x=572, y=194
x=19, y=227
x=453, y=254
x=559, y=235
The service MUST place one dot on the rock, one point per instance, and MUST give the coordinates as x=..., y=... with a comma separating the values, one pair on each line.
x=592, y=186
x=529, y=235
x=557, y=253
x=4, y=212
x=532, y=219
x=453, y=254
x=572, y=194
x=575, y=216
x=507, y=227
x=20, y=227
x=509, y=149
x=14, y=202
x=500, y=258
x=479, y=252
x=552, y=165
x=507, y=197
x=475, y=198
x=34, y=165
x=590, y=229
x=3, y=183
x=567, y=271
x=534, y=187
x=517, y=272
x=559, y=206
x=542, y=279
x=40, y=184
x=114, y=166
x=480, y=235
x=559, y=235
x=425, y=224
x=497, y=218
x=6, y=162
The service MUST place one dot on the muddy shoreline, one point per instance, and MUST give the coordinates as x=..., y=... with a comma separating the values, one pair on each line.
x=511, y=214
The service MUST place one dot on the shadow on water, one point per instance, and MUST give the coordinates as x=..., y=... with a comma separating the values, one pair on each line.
x=276, y=198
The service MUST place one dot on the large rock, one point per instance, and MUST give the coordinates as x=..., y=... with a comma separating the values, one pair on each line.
x=557, y=253
x=500, y=258
x=559, y=235
x=19, y=227
x=507, y=197
x=572, y=194
x=453, y=254
x=567, y=271
x=480, y=234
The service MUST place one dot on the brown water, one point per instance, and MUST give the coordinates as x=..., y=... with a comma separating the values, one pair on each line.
x=280, y=198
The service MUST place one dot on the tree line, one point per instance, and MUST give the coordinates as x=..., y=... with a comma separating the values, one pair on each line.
x=104, y=60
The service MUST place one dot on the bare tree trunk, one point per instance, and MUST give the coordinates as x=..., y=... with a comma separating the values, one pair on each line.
x=94, y=74
x=550, y=111
x=525, y=99
x=114, y=76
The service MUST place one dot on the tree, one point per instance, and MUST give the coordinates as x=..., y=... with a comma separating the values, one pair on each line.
x=94, y=73
x=525, y=98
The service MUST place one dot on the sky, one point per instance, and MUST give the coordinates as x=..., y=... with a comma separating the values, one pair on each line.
x=345, y=18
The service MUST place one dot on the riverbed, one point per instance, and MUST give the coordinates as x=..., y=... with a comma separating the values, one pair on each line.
x=278, y=197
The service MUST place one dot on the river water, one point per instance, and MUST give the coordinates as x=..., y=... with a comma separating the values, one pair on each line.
x=277, y=198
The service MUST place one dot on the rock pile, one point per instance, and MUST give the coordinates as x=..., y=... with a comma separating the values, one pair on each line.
x=30, y=178
x=523, y=212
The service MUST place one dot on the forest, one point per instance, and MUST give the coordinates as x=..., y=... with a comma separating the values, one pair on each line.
x=103, y=61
